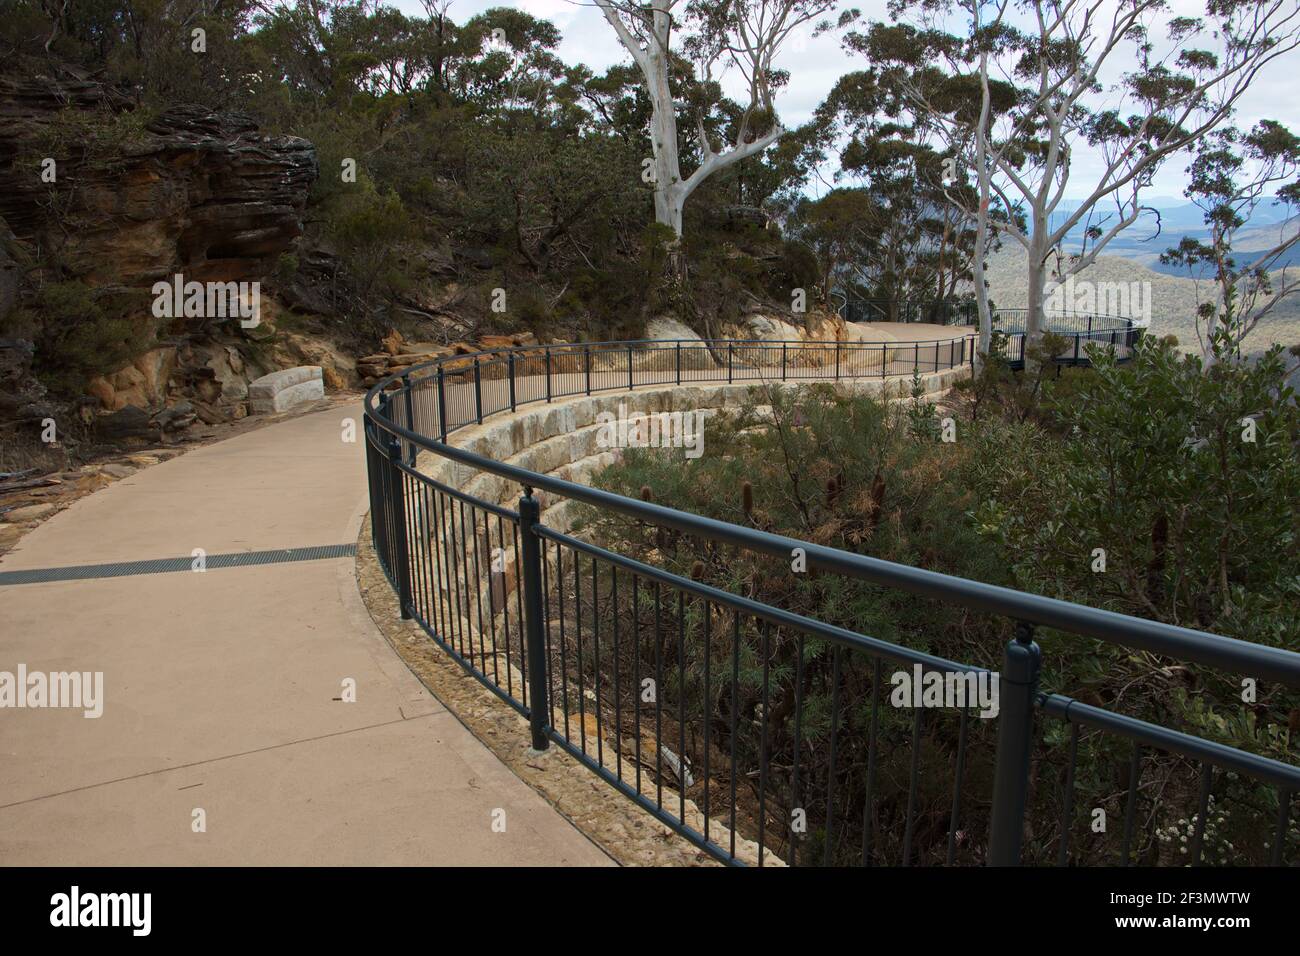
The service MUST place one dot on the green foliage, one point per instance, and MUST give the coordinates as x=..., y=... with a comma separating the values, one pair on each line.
x=1188, y=477
x=87, y=332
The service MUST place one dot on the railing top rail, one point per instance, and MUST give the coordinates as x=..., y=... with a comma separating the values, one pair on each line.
x=623, y=345
x=1200, y=646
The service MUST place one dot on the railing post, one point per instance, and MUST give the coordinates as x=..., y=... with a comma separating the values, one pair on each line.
x=730, y=348
x=783, y=361
x=679, y=361
x=510, y=373
x=1017, y=689
x=548, y=373
x=410, y=411
x=916, y=357
x=630, y=384
x=586, y=351
x=837, y=358
x=399, y=563
x=442, y=405
x=478, y=391
x=538, y=707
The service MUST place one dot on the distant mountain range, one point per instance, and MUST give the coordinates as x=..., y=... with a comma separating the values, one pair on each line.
x=1156, y=232
x=1173, y=299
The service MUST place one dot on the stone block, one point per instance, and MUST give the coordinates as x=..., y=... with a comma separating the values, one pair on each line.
x=286, y=389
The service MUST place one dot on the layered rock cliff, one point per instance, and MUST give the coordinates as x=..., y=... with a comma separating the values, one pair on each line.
x=187, y=191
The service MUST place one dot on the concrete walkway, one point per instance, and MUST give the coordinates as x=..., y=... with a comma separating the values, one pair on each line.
x=222, y=689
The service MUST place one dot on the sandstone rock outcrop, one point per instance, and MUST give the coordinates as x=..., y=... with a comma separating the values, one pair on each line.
x=188, y=191
x=198, y=192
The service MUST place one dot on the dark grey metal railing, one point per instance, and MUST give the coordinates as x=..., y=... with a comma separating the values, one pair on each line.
x=1080, y=329
x=569, y=634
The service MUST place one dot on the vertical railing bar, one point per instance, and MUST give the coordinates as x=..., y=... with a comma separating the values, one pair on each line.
x=867, y=814
x=442, y=404
x=765, y=645
x=1130, y=809
x=478, y=391
x=577, y=610
x=618, y=690
x=659, y=699
x=595, y=621
x=440, y=570
x=492, y=617
x=828, y=847
x=547, y=643
x=463, y=554
x=707, y=708
x=538, y=714
x=408, y=484
x=455, y=636
x=913, y=780
x=798, y=748
x=956, y=788
x=510, y=375
x=1284, y=796
x=397, y=508
x=636, y=676
x=505, y=603
x=1203, y=807
x=564, y=654
x=681, y=705
x=478, y=594
x=458, y=550
x=1067, y=802
x=524, y=663
x=423, y=549
x=735, y=689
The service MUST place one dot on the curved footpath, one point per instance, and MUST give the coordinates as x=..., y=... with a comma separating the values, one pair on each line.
x=222, y=689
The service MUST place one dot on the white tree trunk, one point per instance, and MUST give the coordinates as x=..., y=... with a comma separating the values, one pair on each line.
x=671, y=191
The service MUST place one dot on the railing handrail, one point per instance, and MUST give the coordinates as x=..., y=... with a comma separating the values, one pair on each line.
x=624, y=344
x=1108, y=626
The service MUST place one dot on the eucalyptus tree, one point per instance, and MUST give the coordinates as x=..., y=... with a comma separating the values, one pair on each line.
x=1128, y=81
x=1234, y=174
x=923, y=244
x=710, y=37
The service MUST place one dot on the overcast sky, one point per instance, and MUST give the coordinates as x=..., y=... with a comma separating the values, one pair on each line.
x=815, y=63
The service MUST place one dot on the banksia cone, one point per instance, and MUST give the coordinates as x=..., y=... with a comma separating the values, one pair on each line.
x=747, y=498
x=697, y=571
x=646, y=494
x=832, y=492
